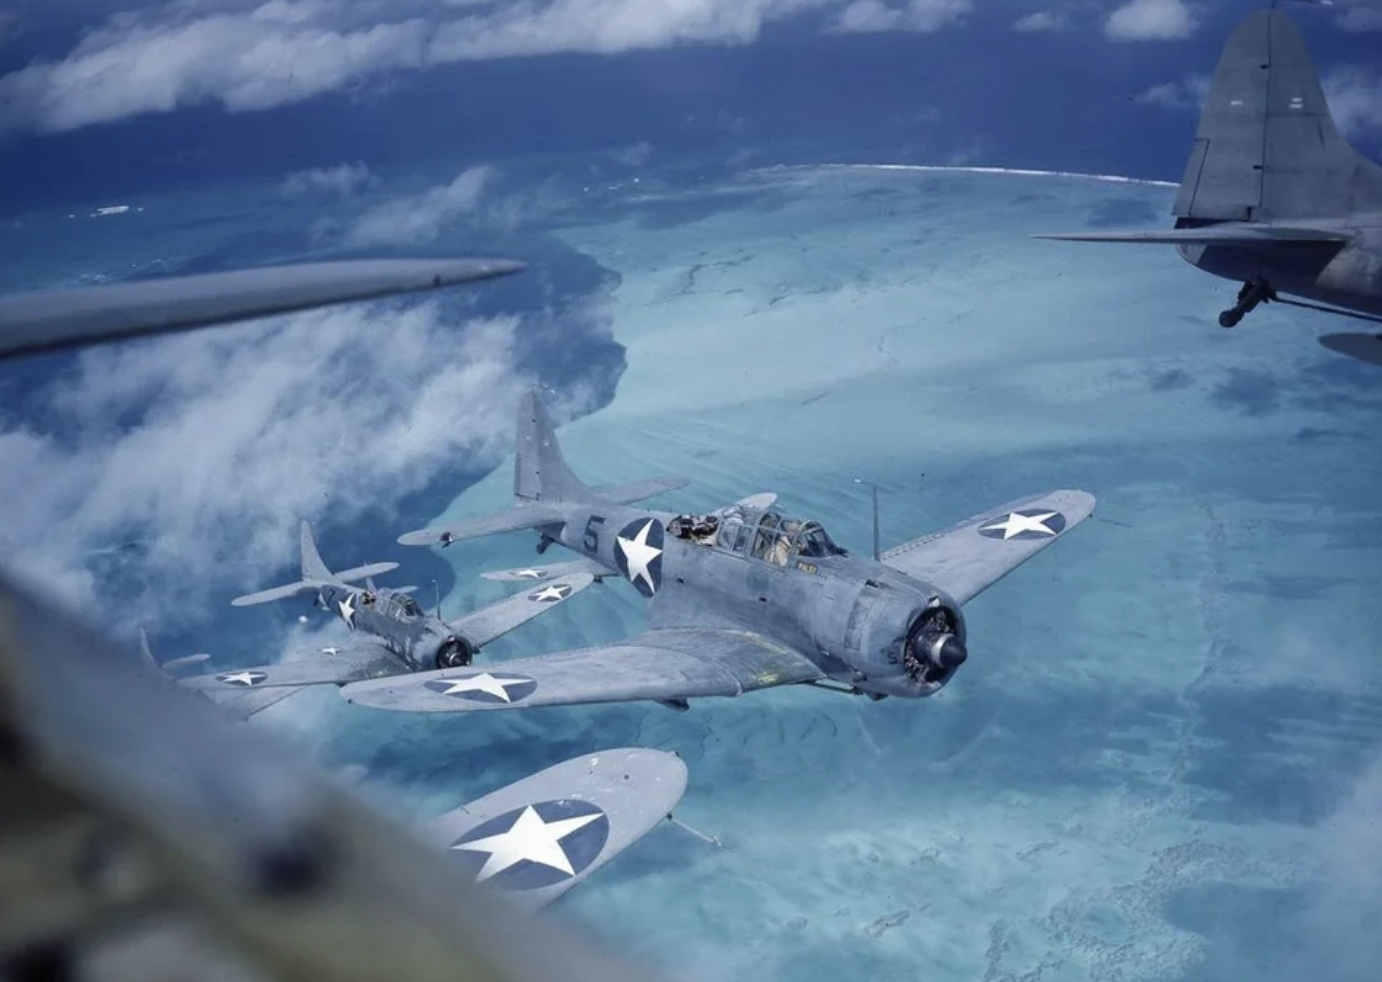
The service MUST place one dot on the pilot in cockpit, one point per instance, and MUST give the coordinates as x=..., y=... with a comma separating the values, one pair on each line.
x=783, y=547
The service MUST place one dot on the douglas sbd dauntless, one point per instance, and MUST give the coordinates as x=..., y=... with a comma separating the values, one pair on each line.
x=742, y=598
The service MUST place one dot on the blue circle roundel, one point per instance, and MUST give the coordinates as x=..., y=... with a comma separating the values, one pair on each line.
x=638, y=554
x=534, y=846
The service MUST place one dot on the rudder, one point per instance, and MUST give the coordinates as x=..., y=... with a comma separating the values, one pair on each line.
x=1266, y=148
x=539, y=469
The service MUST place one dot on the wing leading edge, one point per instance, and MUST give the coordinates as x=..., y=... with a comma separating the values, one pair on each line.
x=537, y=838
x=657, y=665
x=968, y=558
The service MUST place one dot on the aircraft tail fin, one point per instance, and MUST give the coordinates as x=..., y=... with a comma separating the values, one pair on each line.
x=539, y=469
x=313, y=569
x=314, y=575
x=1266, y=148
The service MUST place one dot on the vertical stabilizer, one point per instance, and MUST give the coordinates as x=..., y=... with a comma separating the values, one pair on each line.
x=1267, y=148
x=539, y=470
x=313, y=569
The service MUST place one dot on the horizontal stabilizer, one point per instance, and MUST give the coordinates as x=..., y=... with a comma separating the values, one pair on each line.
x=364, y=572
x=596, y=806
x=537, y=574
x=1233, y=234
x=274, y=593
x=627, y=494
x=510, y=520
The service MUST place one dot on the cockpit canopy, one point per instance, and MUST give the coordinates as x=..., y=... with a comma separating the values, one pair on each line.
x=398, y=605
x=765, y=535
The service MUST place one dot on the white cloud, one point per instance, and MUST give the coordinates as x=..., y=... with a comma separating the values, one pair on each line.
x=416, y=218
x=863, y=16
x=343, y=180
x=1355, y=100
x=243, y=433
x=248, y=56
x=1150, y=20
x=1189, y=93
x=1042, y=20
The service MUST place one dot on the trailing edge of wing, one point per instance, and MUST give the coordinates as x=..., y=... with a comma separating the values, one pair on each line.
x=52, y=319
x=623, y=794
x=1226, y=235
x=510, y=520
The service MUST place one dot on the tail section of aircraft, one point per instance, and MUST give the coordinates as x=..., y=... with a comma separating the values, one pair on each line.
x=315, y=574
x=542, y=483
x=539, y=469
x=1267, y=149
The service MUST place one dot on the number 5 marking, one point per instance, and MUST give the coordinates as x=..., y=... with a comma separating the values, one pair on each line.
x=592, y=533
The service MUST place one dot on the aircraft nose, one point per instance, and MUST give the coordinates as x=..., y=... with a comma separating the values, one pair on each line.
x=950, y=653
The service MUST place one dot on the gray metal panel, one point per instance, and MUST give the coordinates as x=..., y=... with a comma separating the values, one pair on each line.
x=1267, y=148
x=964, y=562
x=49, y=320
x=362, y=659
x=484, y=625
x=655, y=665
x=634, y=788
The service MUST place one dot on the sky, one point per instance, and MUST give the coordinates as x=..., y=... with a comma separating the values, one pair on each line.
x=112, y=97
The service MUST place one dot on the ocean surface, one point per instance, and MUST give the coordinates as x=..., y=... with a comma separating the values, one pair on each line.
x=1163, y=759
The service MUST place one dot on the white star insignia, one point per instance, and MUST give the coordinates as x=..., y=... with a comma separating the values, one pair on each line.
x=484, y=682
x=242, y=678
x=639, y=554
x=1016, y=524
x=528, y=838
x=529, y=574
x=550, y=593
x=348, y=610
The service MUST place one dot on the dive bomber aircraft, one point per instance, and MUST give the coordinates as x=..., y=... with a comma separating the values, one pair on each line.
x=742, y=599
x=392, y=633
x=147, y=833
x=1273, y=197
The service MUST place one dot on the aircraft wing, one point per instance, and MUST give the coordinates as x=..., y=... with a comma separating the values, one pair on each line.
x=627, y=494
x=534, y=574
x=146, y=835
x=1229, y=234
x=683, y=663
x=48, y=320
x=349, y=662
x=509, y=520
x=538, y=837
x=482, y=626
x=966, y=559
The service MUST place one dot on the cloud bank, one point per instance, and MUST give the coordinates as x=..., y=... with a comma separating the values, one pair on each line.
x=244, y=432
x=247, y=56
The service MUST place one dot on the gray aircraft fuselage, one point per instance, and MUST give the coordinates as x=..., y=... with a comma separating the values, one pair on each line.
x=864, y=624
x=414, y=638
x=1346, y=275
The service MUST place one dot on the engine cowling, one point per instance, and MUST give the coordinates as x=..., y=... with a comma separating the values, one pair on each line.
x=455, y=652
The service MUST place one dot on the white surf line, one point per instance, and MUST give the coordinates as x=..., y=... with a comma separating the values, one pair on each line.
x=939, y=168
